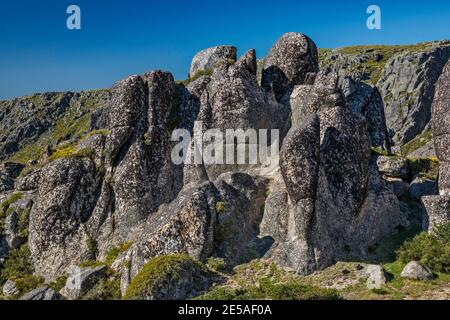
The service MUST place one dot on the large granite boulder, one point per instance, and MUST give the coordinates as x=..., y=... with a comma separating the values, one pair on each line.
x=396, y=167
x=210, y=58
x=416, y=271
x=437, y=211
x=186, y=225
x=331, y=202
x=66, y=197
x=437, y=208
x=291, y=61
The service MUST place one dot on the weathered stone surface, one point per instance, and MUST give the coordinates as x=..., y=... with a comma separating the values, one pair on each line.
x=17, y=221
x=367, y=101
x=233, y=100
x=441, y=131
x=396, y=167
x=421, y=187
x=377, y=277
x=9, y=171
x=407, y=86
x=95, y=144
x=399, y=186
x=239, y=215
x=437, y=211
x=292, y=61
x=41, y=293
x=299, y=160
x=29, y=181
x=10, y=289
x=306, y=99
x=65, y=200
x=186, y=225
x=208, y=59
x=416, y=271
x=81, y=280
x=350, y=207
x=139, y=169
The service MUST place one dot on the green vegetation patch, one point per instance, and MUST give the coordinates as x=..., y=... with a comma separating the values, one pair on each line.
x=19, y=269
x=417, y=143
x=432, y=250
x=113, y=253
x=425, y=168
x=268, y=288
x=159, y=269
x=199, y=74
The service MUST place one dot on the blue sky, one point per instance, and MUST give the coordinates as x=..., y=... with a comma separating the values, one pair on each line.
x=118, y=38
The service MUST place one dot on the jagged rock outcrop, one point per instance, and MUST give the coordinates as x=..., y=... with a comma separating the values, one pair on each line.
x=210, y=58
x=66, y=197
x=23, y=121
x=366, y=100
x=292, y=61
x=437, y=208
x=338, y=204
x=407, y=86
x=233, y=100
x=326, y=200
x=186, y=225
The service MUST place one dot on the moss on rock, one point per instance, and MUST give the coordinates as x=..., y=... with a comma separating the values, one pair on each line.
x=169, y=277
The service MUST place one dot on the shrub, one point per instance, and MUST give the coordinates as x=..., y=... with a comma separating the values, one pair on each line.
x=59, y=283
x=18, y=264
x=220, y=207
x=18, y=268
x=200, y=73
x=426, y=168
x=113, y=253
x=104, y=290
x=432, y=250
x=216, y=264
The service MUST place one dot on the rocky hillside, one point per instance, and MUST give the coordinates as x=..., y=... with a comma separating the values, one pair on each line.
x=93, y=207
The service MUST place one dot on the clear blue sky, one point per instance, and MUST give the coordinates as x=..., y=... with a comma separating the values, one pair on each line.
x=118, y=38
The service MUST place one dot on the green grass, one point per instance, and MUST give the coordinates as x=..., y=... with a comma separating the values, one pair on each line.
x=199, y=74
x=18, y=268
x=425, y=168
x=268, y=289
x=418, y=142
